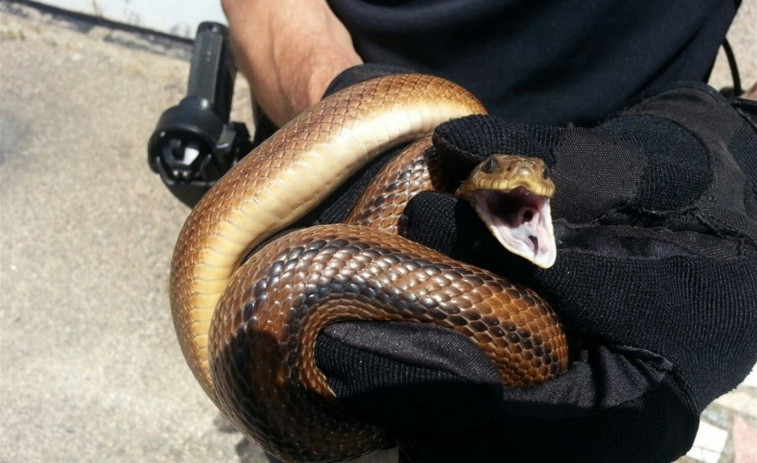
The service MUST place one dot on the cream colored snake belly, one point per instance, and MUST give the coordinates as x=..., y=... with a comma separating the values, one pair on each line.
x=248, y=329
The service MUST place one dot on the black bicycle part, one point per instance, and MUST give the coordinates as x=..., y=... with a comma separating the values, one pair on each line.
x=194, y=144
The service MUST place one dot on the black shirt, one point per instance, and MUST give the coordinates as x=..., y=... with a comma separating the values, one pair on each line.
x=546, y=62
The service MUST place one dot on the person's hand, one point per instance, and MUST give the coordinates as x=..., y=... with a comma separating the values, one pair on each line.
x=656, y=222
x=288, y=50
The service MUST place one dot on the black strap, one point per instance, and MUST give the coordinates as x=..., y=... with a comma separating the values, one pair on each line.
x=736, y=90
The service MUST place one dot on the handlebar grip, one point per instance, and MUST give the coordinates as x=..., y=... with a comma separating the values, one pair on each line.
x=212, y=70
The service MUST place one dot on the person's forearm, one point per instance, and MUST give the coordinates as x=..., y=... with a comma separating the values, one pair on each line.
x=751, y=93
x=289, y=51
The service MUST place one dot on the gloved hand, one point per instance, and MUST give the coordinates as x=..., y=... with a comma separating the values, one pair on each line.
x=656, y=222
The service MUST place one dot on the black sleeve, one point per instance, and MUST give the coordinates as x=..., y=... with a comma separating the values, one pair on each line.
x=552, y=63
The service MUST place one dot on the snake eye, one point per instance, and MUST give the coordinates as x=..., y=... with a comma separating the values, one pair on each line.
x=489, y=165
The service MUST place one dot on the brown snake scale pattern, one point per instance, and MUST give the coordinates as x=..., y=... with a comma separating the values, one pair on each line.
x=412, y=170
x=248, y=332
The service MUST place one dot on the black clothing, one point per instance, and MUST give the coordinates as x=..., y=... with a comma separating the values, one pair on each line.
x=552, y=63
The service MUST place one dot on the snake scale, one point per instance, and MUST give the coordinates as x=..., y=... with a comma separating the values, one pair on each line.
x=248, y=328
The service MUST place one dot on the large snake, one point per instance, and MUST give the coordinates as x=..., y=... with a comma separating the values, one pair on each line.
x=248, y=325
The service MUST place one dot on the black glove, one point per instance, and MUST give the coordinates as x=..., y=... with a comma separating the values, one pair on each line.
x=655, y=218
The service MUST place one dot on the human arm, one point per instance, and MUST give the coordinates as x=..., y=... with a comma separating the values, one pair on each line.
x=289, y=51
x=752, y=92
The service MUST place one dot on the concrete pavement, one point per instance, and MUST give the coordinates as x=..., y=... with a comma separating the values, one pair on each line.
x=90, y=370
x=90, y=367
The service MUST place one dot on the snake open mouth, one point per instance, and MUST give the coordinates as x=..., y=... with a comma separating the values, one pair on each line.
x=521, y=221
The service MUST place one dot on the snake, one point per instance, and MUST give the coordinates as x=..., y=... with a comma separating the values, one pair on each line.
x=247, y=308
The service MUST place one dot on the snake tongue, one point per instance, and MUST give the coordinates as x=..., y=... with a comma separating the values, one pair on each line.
x=521, y=221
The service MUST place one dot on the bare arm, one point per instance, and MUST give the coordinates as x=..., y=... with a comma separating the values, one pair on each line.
x=289, y=51
x=752, y=92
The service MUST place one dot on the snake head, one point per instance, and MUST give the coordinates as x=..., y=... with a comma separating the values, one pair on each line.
x=511, y=195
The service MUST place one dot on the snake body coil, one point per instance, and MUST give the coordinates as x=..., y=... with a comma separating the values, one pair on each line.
x=256, y=359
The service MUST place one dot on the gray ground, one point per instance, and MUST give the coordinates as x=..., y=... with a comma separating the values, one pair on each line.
x=89, y=365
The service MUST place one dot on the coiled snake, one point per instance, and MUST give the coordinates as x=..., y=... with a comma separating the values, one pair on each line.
x=248, y=329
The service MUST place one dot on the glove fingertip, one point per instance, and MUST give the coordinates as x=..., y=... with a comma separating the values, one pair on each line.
x=409, y=377
x=462, y=143
x=426, y=220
